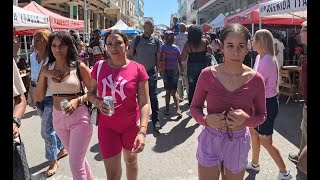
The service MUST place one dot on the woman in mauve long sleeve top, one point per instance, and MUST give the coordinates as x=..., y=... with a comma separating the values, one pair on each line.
x=219, y=99
x=235, y=96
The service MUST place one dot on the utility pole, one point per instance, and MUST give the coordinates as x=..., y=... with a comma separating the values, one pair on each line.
x=85, y=21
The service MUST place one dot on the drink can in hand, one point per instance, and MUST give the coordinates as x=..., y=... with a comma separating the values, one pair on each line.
x=109, y=101
x=63, y=104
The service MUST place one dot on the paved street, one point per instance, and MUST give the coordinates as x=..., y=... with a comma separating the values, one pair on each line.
x=170, y=153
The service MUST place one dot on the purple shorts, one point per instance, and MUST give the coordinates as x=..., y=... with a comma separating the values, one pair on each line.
x=215, y=148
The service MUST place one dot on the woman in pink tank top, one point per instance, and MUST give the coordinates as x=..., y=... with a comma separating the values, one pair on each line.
x=72, y=122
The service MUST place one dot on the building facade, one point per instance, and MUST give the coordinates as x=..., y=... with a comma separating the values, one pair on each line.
x=182, y=10
x=204, y=11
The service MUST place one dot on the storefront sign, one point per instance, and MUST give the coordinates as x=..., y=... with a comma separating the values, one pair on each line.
x=282, y=6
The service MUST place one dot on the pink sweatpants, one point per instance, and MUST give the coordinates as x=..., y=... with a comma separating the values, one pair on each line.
x=75, y=133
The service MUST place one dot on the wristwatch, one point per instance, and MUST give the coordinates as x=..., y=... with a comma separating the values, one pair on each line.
x=17, y=121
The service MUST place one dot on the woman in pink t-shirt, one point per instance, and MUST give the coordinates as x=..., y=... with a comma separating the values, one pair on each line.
x=126, y=82
x=266, y=64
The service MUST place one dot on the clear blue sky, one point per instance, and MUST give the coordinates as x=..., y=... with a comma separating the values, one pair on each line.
x=160, y=10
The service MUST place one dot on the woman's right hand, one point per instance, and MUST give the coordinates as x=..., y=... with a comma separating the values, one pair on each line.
x=216, y=120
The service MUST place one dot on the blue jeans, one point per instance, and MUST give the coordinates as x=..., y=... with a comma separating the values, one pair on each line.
x=52, y=141
x=153, y=78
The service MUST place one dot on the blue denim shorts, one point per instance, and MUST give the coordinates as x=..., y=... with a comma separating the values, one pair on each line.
x=170, y=79
x=272, y=105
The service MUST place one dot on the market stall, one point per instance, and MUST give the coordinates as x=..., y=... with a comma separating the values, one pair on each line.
x=294, y=9
x=218, y=21
x=251, y=16
x=26, y=23
x=56, y=21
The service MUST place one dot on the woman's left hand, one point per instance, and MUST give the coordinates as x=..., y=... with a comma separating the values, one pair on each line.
x=138, y=144
x=71, y=106
x=236, y=117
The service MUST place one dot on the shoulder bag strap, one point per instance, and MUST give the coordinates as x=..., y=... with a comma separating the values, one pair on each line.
x=98, y=71
x=80, y=79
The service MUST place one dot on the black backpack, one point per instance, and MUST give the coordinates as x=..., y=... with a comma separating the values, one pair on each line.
x=138, y=38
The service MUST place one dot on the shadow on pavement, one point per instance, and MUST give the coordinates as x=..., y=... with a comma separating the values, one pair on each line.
x=30, y=114
x=37, y=168
x=288, y=121
x=251, y=175
x=41, y=176
x=95, y=148
x=178, y=134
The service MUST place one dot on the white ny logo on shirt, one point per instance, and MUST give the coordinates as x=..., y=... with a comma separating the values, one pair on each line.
x=113, y=86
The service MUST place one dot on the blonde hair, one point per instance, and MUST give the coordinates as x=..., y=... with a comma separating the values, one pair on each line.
x=265, y=38
x=44, y=33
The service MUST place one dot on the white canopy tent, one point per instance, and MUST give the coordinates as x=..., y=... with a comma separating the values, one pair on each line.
x=120, y=25
x=26, y=22
x=218, y=21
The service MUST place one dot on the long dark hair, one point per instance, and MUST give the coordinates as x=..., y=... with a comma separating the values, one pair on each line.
x=234, y=28
x=195, y=35
x=246, y=34
x=66, y=39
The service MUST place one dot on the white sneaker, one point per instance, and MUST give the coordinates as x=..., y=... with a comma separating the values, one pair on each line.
x=282, y=176
x=251, y=167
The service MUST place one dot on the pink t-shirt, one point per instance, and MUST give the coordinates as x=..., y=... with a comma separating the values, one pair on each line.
x=268, y=69
x=249, y=95
x=122, y=85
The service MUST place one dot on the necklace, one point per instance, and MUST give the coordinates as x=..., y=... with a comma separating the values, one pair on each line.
x=61, y=71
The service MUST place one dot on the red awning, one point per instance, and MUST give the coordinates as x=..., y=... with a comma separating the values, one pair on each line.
x=251, y=16
x=246, y=16
x=56, y=21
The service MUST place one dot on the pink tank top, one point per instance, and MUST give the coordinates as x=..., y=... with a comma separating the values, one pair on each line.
x=68, y=85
